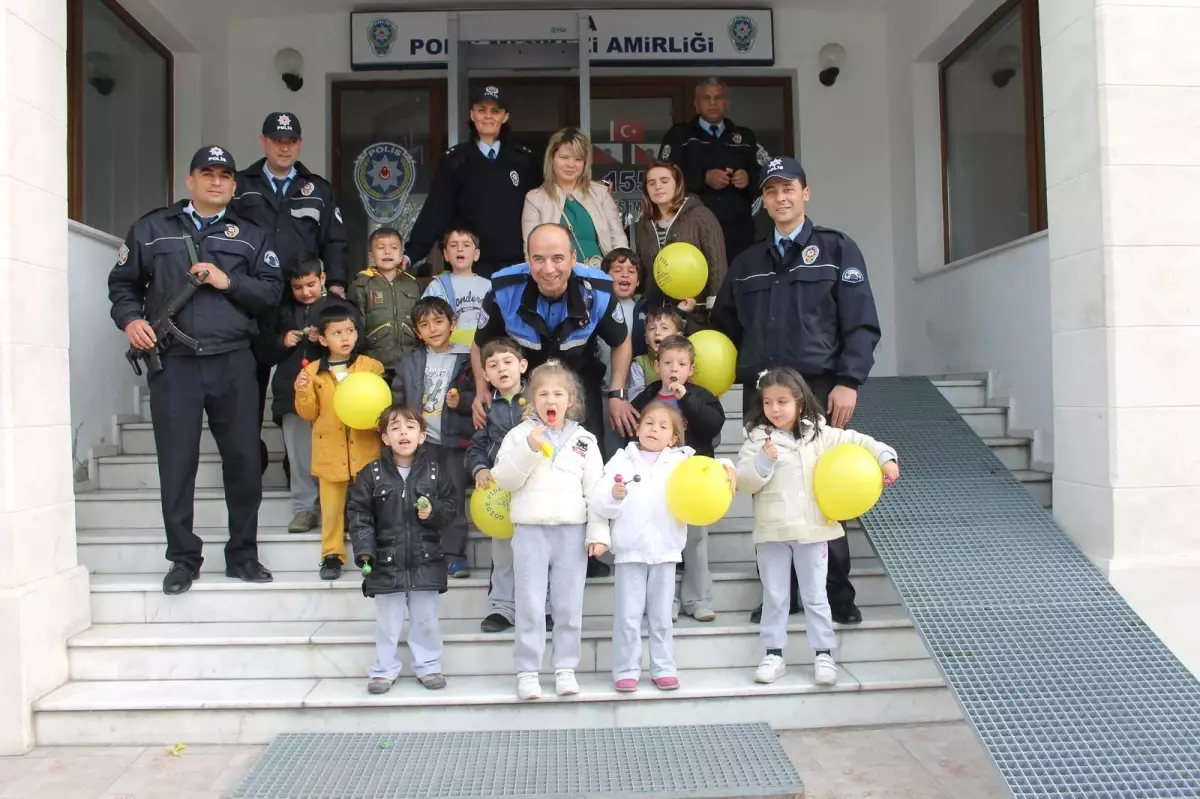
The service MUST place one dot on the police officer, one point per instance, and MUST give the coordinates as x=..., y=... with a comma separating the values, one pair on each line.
x=813, y=281
x=203, y=235
x=719, y=163
x=296, y=208
x=480, y=185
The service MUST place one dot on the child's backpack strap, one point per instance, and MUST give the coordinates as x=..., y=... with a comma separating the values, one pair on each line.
x=448, y=286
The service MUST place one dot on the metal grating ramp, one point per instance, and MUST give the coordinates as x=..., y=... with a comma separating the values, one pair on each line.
x=1068, y=689
x=726, y=760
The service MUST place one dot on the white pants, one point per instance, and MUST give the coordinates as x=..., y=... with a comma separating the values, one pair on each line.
x=649, y=590
x=774, y=567
x=502, y=581
x=695, y=589
x=424, y=634
x=297, y=440
x=555, y=552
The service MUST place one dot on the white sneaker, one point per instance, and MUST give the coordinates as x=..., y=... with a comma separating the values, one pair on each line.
x=770, y=669
x=528, y=686
x=565, y=683
x=825, y=670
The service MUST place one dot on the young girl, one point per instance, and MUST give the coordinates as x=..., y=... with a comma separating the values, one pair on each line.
x=786, y=434
x=551, y=464
x=396, y=510
x=647, y=542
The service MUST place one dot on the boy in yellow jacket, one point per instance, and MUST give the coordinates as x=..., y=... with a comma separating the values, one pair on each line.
x=338, y=452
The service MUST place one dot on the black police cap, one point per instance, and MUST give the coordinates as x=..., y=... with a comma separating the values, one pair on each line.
x=281, y=125
x=212, y=155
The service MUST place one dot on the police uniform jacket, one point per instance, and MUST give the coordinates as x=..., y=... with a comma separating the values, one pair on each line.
x=514, y=307
x=813, y=312
x=153, y=264
x=485, y=196
x=696, y=151
x=305, y=219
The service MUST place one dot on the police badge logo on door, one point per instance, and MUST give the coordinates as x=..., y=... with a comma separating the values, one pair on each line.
x=382, y=36
x=742, y=33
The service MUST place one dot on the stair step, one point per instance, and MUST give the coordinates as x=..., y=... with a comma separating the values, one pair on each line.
x=1040, y=484
x=122, y=472
x=966, y=393
x=145, y=713
x=303, y=596
x=286, y=650
x=137, y=438
x=986, y=421
x=1013, y=452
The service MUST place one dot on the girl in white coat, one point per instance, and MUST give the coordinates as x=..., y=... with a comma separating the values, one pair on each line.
x=786, y=434
x=551, y=464
x=647, y=542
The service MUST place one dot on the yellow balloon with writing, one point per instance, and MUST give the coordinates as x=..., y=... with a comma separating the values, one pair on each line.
x=489, y=511
x=360, y=399
x=680, y=270
x=847, y=482
x=716, y=361
x=698, y=491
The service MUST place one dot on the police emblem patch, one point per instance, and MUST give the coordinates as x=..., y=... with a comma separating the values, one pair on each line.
x=742, y=33
x=308, y=189
x=381, y=36
x=737, y=138
x=283, y=122
x=123, y=255
x=231, y=231
x=852, y=275
x=618, y=314
x=272, y=259
x=384, y=174
x=492, y=92
x=666, y=152
x=516, y=179
x=483, y=320
x=810, y=254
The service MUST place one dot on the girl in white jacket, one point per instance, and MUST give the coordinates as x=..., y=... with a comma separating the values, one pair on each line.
x=550, y=464
x=786, y=435
x=647, y=542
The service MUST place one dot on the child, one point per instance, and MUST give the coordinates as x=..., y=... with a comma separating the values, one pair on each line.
x=661, y=322
x=338, y=453
x=288, y=341
x=625, y=268
x=703, y=418
x=436, y=377
x=397, y=505
x=551, y=464
x=385, y=295
x=461, y=287
x=786, y=434
x=647, y=541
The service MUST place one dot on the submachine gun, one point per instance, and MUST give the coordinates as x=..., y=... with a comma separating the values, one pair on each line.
x=164, y=324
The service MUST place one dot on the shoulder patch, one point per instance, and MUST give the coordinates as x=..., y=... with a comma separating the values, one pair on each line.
x=618, y=314
x=337, y=214
x=123, y=254
x=852, y=275
x=272, y=259
x=483, y=319
x=232, y=230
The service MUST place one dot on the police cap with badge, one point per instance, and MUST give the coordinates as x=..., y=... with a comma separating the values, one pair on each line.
x=212, y=156
x=281, y=125
x=785, y=168
x=490, y=94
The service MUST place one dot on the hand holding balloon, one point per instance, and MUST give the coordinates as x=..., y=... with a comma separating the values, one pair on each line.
x=424, y=508
x=891, y=472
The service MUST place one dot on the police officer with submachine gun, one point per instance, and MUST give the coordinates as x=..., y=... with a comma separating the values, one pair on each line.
x=189, y=281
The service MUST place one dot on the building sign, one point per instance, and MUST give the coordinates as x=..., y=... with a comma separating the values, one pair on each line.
x=616, y=37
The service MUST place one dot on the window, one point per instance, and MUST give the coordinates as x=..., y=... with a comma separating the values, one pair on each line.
x=993, y=159
x=119, y=107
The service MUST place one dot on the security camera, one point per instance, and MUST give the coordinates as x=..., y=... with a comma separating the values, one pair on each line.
x=829, y=76
x=1004, y=67
x=293, y=81
x=290, y=65
x=1002, y=77
x=98, y=69
x=831, y=57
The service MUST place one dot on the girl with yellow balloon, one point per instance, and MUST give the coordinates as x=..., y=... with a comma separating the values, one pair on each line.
x=805, y=477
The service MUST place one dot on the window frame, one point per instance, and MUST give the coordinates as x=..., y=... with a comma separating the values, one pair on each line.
x=1031, y=79
x=75, y=88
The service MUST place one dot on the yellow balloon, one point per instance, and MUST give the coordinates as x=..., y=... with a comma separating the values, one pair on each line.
x=847, y=482
x=463, y=335
x=680, y=270
x=716, y=361
x=360, y=399
x=489, y=511
x=698, y=491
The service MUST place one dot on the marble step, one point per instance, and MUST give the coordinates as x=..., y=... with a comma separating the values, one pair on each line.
x=124, y=472
x=1013, y=452
x=152, y=713
x=303, y=596
x=964, y=393
x=137, y=438
x=292, y=650
x=140, y=551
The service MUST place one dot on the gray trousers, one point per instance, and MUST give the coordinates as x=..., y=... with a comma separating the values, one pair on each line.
x=502, y=582
x=695, y=589
x=775, y=561
x=424, y=633
x=297, y=440
x=450, y=462
x=643, y=590
x=557, y=553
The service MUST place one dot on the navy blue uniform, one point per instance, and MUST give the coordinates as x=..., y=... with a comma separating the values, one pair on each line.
x=217, y=378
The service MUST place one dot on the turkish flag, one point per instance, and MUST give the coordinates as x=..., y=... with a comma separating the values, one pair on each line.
x=627, y=131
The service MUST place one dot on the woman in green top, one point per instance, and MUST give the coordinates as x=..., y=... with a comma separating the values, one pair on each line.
x=571, y=198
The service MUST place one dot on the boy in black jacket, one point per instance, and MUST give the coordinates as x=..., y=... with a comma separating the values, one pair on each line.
x=435, y=377
x=703, y=418
x=395, y=510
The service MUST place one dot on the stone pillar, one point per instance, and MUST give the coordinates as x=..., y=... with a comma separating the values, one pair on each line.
x=43, y=591
x=1121, y=93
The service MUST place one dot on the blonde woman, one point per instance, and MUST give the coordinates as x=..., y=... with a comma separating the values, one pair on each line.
x=571, y=198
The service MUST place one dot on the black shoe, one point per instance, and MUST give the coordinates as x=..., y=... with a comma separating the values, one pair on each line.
x=848, y=614
x=597, y=568
x=250, y=571
x=495, y=623
x=178, y=579
x=331, y=568
x=549, y=624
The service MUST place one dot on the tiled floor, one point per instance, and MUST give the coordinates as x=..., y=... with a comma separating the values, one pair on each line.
x=941, y=761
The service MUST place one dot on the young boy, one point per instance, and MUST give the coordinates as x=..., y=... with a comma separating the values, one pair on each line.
x=703, y=418
x=461, y=287
x=377, y=523
x=625, y=268
x=338, y=453
x=435, y=377
x=385, y=295
x=288, y=341
x=662, y=322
